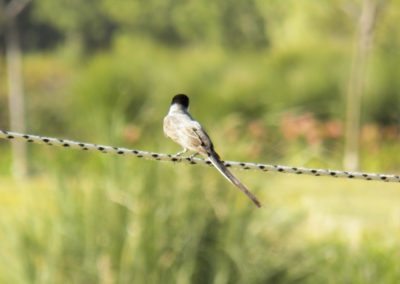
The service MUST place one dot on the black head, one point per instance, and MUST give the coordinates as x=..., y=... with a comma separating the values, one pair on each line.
x=181, y=99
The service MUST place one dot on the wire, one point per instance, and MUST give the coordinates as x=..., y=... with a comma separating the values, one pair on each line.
x=69, y=144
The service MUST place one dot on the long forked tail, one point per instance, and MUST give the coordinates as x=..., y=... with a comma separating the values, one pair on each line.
x=218, y=164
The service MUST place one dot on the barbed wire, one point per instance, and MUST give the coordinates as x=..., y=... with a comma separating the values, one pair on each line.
x=70, y=144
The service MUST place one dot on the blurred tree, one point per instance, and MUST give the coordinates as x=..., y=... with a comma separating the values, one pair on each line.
x=242, y=24
x=367, y=21
x=15, y=83
x=233, y=23
x=84, y=23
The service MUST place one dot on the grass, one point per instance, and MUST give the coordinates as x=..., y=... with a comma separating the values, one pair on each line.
x=371, y=205
x=154, y=222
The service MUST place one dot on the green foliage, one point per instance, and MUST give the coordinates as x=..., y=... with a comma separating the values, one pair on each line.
x=121, y=221
x=131, y=225
x=266, y=79
x=82, y=22
x=234, y=24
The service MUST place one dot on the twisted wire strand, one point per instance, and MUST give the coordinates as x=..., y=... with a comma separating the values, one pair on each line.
x=70, y=144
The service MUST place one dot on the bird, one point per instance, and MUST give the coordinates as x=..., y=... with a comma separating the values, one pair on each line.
x=182, y=128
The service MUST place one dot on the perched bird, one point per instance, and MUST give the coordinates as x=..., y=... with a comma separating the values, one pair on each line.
x=187, y=132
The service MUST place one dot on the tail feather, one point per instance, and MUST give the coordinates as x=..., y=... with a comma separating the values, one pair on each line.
x=218, y=164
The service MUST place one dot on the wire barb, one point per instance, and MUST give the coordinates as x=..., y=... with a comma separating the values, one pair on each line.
x=65, y=143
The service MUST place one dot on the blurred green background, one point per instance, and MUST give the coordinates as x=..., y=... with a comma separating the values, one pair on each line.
x=267, y=79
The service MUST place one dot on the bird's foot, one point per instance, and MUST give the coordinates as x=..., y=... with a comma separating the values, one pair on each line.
x=193, y=155
x=181, y=152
